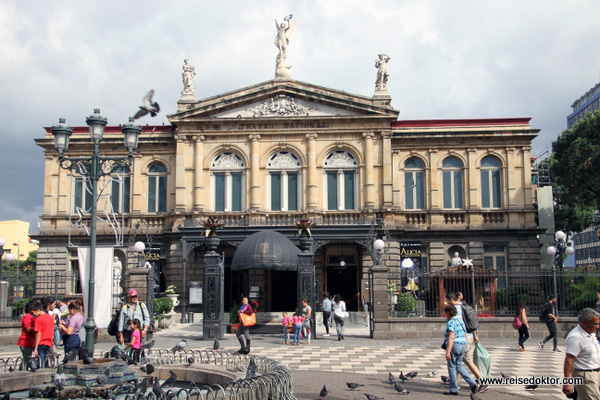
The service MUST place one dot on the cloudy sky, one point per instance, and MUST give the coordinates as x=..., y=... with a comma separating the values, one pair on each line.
x=459, y=59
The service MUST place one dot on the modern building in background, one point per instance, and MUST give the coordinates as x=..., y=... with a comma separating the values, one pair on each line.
x=16, y=234
x=588, y=103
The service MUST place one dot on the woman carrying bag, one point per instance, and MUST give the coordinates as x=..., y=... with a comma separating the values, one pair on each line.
x=339, y=314
x=247, y=318
x=522, y=324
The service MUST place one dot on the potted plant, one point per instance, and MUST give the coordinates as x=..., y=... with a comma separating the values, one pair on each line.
x=234, y=322
x=392, y=293
x=171, y=294
x=304, y=226
x=162, y=306
x=211, y=225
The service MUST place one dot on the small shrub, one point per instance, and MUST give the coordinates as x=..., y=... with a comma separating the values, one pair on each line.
x=163, y=305
x=406, y=302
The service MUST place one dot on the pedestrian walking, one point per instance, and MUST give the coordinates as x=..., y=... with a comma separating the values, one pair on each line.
x=307, y=315
x=71, y=327
x=339, y=315
x=582, y=358
x=245, y=308
x=455, y=344
x=326, y=307
x=548, y=316
x=27, y=338
x=524, y=328
x=133, y=309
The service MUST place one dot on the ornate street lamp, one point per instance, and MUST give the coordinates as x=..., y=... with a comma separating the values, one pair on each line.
x=94, y=168
x=9, y=256
x=558, y=249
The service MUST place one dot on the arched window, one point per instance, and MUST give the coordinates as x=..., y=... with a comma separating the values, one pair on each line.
x=227, y=182
x=414, y=184
x=157, y=188
x=341, y=181
x=491, y=182
x=284, y=185
x=120, y=195
x=452, y=179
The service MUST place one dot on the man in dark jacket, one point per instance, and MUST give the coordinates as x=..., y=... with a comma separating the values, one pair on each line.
x=550, y=319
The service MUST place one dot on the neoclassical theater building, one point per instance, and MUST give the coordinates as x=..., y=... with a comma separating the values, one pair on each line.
x=268, y=155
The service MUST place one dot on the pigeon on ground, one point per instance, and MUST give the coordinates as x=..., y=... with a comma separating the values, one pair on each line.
x=148, y=107
x=402, y=377
x=353, y=386
x=157, y=390
x=400, y=389
x=116, y=351
x=148, y=345
x=372, y=397
x=70, y=356
x=179, y=346
x=432, y=373
x=141, y=388
x=412, y=374
x=190, y=361
x=503, y=375
x=251, y=371
x=391, y=377
x=170, y=380
x=445, y=379
x=216, y=345
x=531, y=387
x=32, y=364
x=323, y=393
x=148, y=368
x=12, y=362
x=103, y=377
x=83, y=352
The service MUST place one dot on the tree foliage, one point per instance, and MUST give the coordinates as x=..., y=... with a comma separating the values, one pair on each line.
x=575, y=173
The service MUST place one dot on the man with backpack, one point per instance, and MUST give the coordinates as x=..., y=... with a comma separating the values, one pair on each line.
x=472, y=338
x=547, y=316
x=133, y=309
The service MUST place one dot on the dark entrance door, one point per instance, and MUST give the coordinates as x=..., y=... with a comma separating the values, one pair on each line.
x=342, y=280
x=283, y=290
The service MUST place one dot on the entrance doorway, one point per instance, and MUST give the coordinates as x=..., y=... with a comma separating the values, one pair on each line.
x=342, y=281
x=283, y=286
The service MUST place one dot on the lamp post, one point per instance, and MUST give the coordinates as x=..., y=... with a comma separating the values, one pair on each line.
x=558, y=249
x=94, y=168
x=9, y=255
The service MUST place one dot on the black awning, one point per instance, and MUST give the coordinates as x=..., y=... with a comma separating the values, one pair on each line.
x=266, y=250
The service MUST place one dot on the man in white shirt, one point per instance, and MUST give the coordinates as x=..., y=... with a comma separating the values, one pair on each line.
x=583, y=356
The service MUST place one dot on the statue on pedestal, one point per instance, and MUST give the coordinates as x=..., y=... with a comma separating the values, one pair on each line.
x=188, y=77
x=382, y=75
x=282, y=40
x=456, y=260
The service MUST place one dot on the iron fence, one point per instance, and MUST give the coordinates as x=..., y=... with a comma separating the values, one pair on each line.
x=492, y=292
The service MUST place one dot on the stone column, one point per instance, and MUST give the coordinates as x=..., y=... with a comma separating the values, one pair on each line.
x=180, y=197
x=381, y=313
x=311, y=200
x=472, y=179
x=136, y=186
x=510, y=172
x=306, y=277
x=198, y=173
x=386, y=137
x=527, y=185
x=213, y=291
x=369, y=183
x=434, y=181
x=255, y=194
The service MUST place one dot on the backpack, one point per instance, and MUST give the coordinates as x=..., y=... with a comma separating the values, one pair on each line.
x=470, y=318
x=544, y=313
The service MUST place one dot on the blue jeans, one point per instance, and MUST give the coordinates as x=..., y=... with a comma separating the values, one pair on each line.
x=42, y=351
x=297, y=330
x=71, y=342
x=456, y=365
x=286, y=334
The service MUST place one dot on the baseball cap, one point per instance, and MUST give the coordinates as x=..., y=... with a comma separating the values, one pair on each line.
x=132, y=293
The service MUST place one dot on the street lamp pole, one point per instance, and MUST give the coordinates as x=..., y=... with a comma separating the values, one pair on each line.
x=9, y=255
x=558, y=249
x=94, y=168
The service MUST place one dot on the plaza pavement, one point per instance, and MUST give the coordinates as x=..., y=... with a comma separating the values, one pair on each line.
x=363, y=360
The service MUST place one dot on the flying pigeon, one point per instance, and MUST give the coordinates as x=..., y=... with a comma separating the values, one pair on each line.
x=402, y=377
x=391, y=377
x=148, y=107
x=216, y=345
x=323, y=393
x=372, y=397
x=400, y=389
x=353, y=386
x=432, y=373
x=412, y=374
x=141, y=388
x=147, y=368
x=179, y=346
x=251, y=371
x=170, y=380
x=531, y=387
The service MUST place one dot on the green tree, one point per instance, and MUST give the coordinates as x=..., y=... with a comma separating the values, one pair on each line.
x=574, y=171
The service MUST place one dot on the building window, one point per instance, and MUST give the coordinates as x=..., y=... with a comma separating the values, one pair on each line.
x=414, y=184
x=157, y=188
x=227, y=182
x=452, y=176
x=82, y=197
x=120, y=194
x=340, y=179
x=494, y=257
x=491, y=183
x=284, y=181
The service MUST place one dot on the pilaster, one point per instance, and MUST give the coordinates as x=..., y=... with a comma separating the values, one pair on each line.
x=387, y=169
x=312, y=171
x=369, y=183
x=180, y=174
x=255, y=195
x=198, y=173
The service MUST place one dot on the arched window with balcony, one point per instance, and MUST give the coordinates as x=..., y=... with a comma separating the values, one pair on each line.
x=120, y=191
x=452, y=181
x=227, y=182
x=414, y=184
x=157, y=188
x=341, y=181
x=284, y=182
x=491, y=182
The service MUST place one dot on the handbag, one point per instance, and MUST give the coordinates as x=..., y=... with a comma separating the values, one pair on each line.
x=248, y=320
x=289, y=326
x=517, y=322
x=346, y=314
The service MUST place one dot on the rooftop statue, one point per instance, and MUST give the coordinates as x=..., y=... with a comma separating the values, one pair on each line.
x=382, y=75
x=282, y=41
x=188, y=77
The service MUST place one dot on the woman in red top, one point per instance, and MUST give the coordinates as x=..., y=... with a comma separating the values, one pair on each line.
x=244, y=309
x=27, y=338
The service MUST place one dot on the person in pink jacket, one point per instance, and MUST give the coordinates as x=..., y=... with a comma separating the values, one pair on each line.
x=297, y=320
x=284, y=324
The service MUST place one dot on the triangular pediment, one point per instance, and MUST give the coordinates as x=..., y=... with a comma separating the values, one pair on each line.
x=282, y=99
